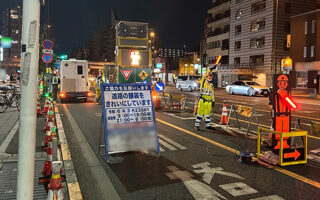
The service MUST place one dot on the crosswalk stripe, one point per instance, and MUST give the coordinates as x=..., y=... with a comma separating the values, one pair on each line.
x=172, y=142
x=169, y=146
x=161, y=149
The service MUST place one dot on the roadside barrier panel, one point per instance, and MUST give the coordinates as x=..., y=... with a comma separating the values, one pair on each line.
x=315, y=126
x=292, y=156
x=244, y=111
x=173, y=101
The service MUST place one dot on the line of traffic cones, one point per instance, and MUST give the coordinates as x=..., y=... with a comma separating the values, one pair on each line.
x=224, y=116
x=52, y=167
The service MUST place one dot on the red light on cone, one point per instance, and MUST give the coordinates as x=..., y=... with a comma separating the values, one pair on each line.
x=292, y=104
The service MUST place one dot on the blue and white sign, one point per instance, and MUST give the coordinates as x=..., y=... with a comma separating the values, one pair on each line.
x=159, y=65
x=47, y=44
x=47, y=58
x=129, y=118
x=159, y=86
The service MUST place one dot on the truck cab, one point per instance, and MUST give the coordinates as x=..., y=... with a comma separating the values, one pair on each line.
x=74, y=80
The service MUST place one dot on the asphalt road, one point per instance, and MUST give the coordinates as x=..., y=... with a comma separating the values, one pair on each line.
x=191, y=165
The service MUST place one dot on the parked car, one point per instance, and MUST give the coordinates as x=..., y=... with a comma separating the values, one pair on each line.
x=249, y=88
x=188, y=82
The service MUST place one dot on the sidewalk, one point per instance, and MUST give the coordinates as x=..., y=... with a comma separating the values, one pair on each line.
x=9, y=138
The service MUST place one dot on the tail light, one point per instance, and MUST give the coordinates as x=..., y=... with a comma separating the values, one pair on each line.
x=89, y=94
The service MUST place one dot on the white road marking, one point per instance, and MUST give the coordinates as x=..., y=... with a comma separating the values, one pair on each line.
x=315, y=151
x=272, y=197
x=238, y=189
x=183, y=118
x=8, y=139
x=98, y=114
x=172, y=142
x=210, y=172
x=198, y=190
x=169, y=146
x=161, y=149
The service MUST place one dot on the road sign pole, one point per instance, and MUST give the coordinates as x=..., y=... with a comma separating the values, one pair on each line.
x=28, y=115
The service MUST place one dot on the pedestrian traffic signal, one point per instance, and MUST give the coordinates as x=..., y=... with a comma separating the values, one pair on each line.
x=64, y=57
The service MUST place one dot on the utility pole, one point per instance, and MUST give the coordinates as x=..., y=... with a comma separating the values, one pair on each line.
x=28, y=116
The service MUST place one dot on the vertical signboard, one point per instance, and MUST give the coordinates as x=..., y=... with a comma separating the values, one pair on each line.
x=128, y=118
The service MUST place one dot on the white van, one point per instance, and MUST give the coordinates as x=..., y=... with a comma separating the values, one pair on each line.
x=188, y=82
x=74, y=80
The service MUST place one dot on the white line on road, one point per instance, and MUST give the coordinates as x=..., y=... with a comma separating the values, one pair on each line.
x=183, y=118
x=9, y=137
x=238, y=189
x=169, y=146
x=161, y=149
x=172, y=142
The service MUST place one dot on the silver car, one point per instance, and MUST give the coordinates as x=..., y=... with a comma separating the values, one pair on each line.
x=188, y=82
x=249, y=88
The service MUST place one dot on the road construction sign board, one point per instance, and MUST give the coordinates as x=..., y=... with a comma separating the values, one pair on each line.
x=128, y=118
x=134, y=75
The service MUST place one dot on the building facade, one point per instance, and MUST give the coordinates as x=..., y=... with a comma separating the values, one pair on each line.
x=12, y=27
x=259, y=30
x=170, y=53
x=305, y=49
x=217, y=34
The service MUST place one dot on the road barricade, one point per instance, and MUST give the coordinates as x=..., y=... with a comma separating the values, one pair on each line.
x=244, y=111
x=292, y=156
x=174, y=102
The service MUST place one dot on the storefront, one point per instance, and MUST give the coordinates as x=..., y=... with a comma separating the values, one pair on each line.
x=228, y=76
x=308, y=75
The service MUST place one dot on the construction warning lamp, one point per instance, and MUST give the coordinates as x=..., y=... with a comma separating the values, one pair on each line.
x=47, y=94
x=286, y=98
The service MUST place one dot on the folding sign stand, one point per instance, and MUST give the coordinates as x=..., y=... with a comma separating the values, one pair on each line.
x=128, y=118
x=244, y=111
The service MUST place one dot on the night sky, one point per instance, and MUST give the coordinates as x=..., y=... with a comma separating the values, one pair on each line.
x=177, y=22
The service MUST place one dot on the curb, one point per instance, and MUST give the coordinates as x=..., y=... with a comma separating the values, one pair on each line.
x=71, y=178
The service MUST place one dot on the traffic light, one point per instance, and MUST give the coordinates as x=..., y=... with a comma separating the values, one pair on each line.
x=64, y=57
x=5, y=42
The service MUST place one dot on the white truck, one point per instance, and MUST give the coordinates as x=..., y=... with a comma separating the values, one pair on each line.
x=74, y=80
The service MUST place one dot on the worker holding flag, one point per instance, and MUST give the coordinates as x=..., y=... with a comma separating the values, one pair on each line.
x=206, y=98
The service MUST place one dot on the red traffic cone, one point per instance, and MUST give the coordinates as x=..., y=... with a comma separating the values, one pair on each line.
x=224, y=115
x=55, y=186
x=46, y=106
x=39, y=113
x=47, y=168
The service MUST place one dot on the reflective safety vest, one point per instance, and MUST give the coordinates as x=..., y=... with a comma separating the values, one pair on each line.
x=206, y=90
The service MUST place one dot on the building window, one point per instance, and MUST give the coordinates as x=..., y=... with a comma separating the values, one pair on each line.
x=238, y=29
x=287, y=8
x=287, y=27
x=238, y=14
x=305, y=52
x=258, y=7
x=257, y=60
x=237, y=61
x=214, y=45
x=258, y=24
x=312, y=51
x=257, y=42
x=305, y=27
x=225, y=44
x=313, y=26
x=237, y=45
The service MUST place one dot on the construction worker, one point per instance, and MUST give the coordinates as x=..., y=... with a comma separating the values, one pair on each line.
x=97, y=88
x=206, y=101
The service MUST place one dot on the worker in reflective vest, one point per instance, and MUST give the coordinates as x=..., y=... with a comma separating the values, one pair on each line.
x=98, y=89
x=206, y=101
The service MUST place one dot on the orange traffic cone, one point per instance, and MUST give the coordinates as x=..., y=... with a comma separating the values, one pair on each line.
x=195, y=108
x=224, y=116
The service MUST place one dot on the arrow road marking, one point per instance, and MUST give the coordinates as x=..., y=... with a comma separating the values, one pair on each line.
x=294, y=155
x=210, y=172
x=198, y=190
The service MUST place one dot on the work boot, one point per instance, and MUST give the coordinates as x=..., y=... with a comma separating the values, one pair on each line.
x=210, y=128
x=197, y=128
